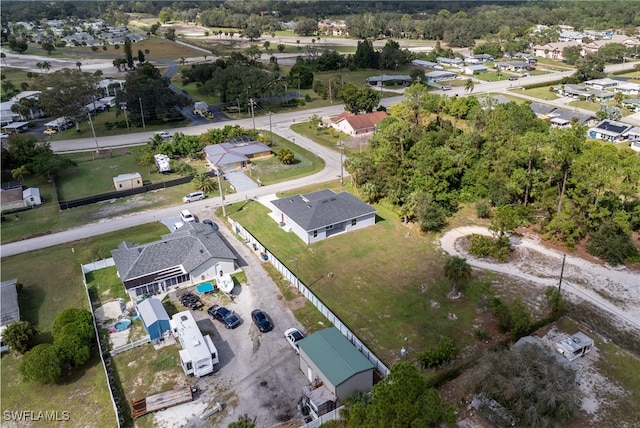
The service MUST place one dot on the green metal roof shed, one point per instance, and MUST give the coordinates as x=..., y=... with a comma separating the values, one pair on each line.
x=328, y=355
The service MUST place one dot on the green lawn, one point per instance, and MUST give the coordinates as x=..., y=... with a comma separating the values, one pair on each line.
x=384, y=281
x=543, y=93
x=327, y=137
x=51, y=282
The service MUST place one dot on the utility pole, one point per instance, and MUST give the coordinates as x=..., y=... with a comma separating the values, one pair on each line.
x=217, y=168
x=564, y=256
x=341, y=148
x=330, y=98
x=252, y=116
x=270, y=133
x=126, y=118
x=93, y=131
x=142, y=114
x=239, y=111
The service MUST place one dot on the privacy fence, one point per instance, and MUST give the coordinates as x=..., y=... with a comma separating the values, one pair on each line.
x=254, y=243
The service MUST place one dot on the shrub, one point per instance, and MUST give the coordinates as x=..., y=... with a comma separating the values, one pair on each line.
x=612, y=243
x=486, y=246
x=481, y=334
x=521, y=320
x=503, y=315
x=443, y=353
x=41, y=364
x=19, y=336
x=483, y=208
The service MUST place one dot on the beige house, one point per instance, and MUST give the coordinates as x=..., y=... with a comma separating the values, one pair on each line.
x=127, y=181
x=356, y=124
x=552, y=50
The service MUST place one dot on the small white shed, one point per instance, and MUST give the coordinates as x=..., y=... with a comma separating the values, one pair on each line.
x=575, y=346
x=31, y=197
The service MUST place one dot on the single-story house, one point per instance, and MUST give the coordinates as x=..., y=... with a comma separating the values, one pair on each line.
x=425, y=64
x=566, y=117
x=571, y=36
x=319, y=215
x=604, y=83
x=609, y=130
x=632, y=104
x=357, y=124
x=13, y=196
x=190, y=255
x=9, y=309
x=575, y=346
x=236, y=153
x=596, y=45
x=517, y=66
x=475, y=69
x=490, y=102
x=450, y=62
x=387, y=78
x=628, y=88
x=154, y=317
x=16, y=127
x=335, y=369
x=127, y=181
x=632, y=134
x=478, y=59
x=541, y=110
x=440, y=75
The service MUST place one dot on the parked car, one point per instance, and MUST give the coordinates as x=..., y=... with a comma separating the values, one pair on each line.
x=186, y=216
x=49, y=131
x=293, y=336
x=261, y=320
x=210, y=223
x=446, y=88
x=193, y=196
x=224, y=315
x=513, y=77
x=163, y=134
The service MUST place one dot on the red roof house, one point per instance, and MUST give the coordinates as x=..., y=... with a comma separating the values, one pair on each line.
x=357, y=124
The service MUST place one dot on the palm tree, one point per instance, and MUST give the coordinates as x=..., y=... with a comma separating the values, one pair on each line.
x=469, y=86
x=79, y=64
x=458, y=271
x=3, y=56
x=203, y=182
x=20, y=173
x=46, y=65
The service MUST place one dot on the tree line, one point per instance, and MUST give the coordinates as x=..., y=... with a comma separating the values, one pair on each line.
x=554, y=179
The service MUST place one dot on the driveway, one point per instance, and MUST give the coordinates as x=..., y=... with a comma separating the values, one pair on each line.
x=240, y=181
x=259, y=373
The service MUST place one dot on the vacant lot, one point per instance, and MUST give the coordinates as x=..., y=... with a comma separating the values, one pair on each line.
x=51, y=281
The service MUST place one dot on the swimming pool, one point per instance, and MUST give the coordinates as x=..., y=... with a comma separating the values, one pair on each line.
x=122, y=324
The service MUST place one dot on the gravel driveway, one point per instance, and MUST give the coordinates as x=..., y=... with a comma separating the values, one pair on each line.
x=259, y=373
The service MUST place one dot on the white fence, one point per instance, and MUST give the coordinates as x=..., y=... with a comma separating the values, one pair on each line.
x=100, y=264
x=130, y=345
x=251, y=241
x=331, y=416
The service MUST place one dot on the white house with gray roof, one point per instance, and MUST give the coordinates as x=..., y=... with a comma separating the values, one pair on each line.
x=319, y=215
x=193, y=254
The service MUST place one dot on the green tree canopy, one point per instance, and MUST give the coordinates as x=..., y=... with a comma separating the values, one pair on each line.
x=458, y=271
x=19, y=336
x=41, y=365
x=359, y=99
x=306, y=27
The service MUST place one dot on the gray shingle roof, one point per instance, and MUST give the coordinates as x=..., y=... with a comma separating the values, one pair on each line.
x=541, y=109
x=322, y=208
x=187, y=248
x=10, y=311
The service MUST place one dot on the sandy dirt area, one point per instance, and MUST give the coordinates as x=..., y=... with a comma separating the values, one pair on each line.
x=614, y=290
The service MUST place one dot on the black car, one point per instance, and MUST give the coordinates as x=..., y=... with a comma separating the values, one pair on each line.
x=211, y=224
x=224, y=315
x=262, y=320
x=513, y=78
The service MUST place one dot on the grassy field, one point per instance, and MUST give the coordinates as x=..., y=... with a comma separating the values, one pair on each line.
x=52, y=281
x=386, y=281
x=543, y=93
x=326, y=137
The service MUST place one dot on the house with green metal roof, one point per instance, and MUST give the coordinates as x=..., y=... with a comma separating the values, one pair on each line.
x=334, y=368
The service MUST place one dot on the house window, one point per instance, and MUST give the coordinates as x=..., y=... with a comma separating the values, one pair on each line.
x=315, y=233
x=138, y=181
x=189, y=366
x=353, y=222
x=120, y=186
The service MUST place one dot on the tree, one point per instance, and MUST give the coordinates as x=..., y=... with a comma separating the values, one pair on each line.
x=556, y=304
x=19, y=336
x=365, y=56
x=402, y=399
x=141, y=57
x=612, y=243
x=50, y=164
x=128, y=52
x=430, y=214
x=590, y=67
x=531, y=384
x=458, y=271
x=48, y=47
x=505, y=220
x=391, y=56
x=71, y=315
x=244, y=421
x=41, y=365
x=66, y=92
x=20, y=173
x=302, y=75
x=79, y=65
x=520, y=318
x=165, y=15
x=572, y=54
x=170, y=34
x=359, y=100
x=286, y=156
x=306, y=27
x=73, y=350
x=469, y=86
x=252, y=32
x=203, y=182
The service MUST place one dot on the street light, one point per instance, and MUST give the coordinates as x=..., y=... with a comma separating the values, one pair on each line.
x=340, y=145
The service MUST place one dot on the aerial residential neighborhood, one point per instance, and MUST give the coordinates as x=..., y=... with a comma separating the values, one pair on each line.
x=304, y=214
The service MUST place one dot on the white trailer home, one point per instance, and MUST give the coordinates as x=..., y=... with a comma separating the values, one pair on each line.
x=162, y=162
x=198, y=354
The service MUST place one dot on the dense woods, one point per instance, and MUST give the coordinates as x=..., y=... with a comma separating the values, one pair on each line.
x=554, y=179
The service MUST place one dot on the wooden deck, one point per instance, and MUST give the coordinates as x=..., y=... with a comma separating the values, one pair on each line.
x=161, y=401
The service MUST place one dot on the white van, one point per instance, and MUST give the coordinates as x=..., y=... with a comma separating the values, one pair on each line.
x=194, y=196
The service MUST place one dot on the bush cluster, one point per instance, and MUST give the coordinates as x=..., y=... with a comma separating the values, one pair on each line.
x=486, y=246
x=441, y=354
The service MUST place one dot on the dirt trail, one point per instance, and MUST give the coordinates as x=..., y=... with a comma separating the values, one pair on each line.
x=614, y=290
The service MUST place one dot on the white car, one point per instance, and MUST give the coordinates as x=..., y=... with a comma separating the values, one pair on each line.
x=187, y=217
x=163, y=134
x=177, y=225
x=293, y=336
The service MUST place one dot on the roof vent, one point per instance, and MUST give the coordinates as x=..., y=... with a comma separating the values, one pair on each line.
x=201, y=251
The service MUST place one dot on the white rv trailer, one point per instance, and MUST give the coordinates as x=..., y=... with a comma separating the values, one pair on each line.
x=198, y=354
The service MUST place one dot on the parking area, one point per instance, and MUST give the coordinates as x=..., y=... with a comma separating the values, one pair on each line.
x=258, y=373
